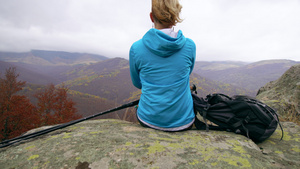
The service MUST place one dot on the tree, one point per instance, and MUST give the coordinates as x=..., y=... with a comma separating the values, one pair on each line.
x=54, y=106
x=17, y=114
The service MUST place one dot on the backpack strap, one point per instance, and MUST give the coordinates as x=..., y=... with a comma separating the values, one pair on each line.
x=199, y=124
x=201, y=106
x=281, y=130
x=204, y=117
x=270, y=110
x=205, y=126
x=276, y=115
x=255, y=107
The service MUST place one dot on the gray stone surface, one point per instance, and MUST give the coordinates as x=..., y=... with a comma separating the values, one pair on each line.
x=120, y=144
x=284, y=93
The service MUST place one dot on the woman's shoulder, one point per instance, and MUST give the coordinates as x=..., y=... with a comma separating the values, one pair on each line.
x=137, y=44
x=140, y=41
x=189, y=42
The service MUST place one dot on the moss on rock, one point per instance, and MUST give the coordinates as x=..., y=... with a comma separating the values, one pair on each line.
x=120, y=144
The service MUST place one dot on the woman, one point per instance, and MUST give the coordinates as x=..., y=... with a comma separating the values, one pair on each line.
x=160, y=65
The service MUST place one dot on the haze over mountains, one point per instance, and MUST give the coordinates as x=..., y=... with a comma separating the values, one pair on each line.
x=250, y=76
x=97, y=83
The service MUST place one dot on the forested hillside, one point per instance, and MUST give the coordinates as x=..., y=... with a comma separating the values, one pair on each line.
x=18, y=114
x=96, y=86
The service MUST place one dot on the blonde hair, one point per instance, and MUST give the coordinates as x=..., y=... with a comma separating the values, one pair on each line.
x=166, y=12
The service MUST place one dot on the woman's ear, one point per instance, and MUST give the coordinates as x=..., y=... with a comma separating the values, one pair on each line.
x=151, y=17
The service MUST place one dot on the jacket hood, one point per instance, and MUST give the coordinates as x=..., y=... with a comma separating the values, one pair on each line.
x=162, y=44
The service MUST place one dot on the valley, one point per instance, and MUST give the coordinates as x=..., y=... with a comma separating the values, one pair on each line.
x=97, y=83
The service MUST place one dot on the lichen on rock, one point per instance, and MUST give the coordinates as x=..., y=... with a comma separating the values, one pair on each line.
x=283, y=94
x=121, y=144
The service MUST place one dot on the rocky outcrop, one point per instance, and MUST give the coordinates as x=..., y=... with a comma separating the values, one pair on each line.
x=120, y=144
x=284, y=93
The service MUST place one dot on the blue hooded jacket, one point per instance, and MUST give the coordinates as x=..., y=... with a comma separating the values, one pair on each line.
x=160, y=65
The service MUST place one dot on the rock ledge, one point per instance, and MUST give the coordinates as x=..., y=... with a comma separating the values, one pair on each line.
x=120, y=144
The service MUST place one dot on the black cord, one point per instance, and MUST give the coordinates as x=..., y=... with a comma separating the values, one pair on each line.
x=6, y=143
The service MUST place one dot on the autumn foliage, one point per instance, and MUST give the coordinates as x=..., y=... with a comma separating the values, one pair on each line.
x=18, y=114
x=54, y=106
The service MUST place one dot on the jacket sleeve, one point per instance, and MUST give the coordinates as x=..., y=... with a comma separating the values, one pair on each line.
x=134, y=71
x=193, y=56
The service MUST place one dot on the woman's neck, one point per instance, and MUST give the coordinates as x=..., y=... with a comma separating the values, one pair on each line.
x=161, y=26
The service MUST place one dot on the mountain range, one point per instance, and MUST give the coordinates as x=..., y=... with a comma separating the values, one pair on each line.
x=51, y=58
x=97, y=83
x=250, y=76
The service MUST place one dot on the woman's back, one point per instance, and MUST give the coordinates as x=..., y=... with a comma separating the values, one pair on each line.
x=161, y=66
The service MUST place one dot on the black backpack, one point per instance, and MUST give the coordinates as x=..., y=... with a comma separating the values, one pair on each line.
x=240, y=114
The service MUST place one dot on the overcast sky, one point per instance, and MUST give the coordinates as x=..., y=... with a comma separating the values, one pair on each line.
x=241, y=30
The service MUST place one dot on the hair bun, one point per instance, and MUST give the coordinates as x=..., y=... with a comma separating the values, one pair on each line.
x=166, y=12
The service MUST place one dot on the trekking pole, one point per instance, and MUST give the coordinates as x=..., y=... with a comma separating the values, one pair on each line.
x=6, y=143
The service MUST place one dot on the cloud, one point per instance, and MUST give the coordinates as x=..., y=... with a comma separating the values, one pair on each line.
x=250, y=30
x=85, y=26
x=222, y=30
